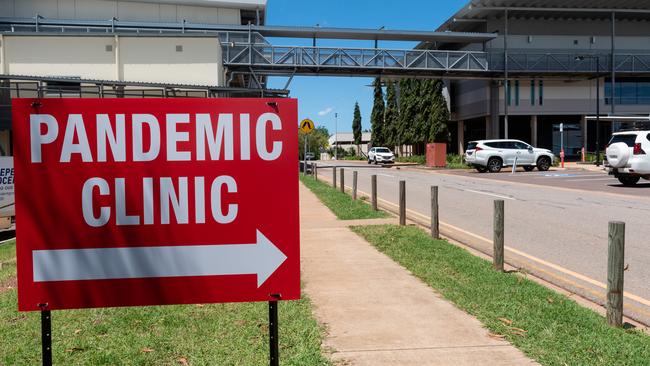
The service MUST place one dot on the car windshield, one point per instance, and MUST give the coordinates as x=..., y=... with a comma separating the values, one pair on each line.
x=382, y=150
x=628, y=139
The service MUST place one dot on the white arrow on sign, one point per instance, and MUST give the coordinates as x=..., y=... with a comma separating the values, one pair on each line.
x=262, y=258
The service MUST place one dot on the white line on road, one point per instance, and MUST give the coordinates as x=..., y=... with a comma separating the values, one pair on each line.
x=386, y=175
x=568, y=175
x=588, y=179
x=490, y=194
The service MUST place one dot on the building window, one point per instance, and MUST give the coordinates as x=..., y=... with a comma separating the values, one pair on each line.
x=62, y=88
x=628, y=91
x=541, y=92
x=508, y=93
x=532, y=92
x=517, y=92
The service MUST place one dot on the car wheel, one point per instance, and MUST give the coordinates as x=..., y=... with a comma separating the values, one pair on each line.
x=543, y=164
x=369, y=161
x=375, y=161
x=494, y=165
x=480, y=169
x=628, y=180
x=529, y=168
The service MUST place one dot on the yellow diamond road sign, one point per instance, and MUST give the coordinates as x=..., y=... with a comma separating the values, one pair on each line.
x=307, y=125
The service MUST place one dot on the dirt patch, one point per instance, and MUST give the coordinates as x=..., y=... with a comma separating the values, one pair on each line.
x=8, y=284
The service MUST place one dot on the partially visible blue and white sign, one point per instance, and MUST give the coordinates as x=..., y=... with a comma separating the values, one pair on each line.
x=7, y=207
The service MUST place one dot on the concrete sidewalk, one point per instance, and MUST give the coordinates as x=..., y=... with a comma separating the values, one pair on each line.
x=376, y=312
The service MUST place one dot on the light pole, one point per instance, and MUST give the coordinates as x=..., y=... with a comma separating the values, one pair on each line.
x=597, y=58
x=336, y=136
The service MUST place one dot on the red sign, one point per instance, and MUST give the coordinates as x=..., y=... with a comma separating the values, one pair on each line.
x=128, y=202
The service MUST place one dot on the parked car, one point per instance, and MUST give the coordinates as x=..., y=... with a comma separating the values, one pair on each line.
x=492, y=155
x=310, y=156
x=627, y=156
x=381, y=155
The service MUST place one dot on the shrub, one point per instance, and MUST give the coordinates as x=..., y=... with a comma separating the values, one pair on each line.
x=354, y=157
x=418, y=159
x=455, y=161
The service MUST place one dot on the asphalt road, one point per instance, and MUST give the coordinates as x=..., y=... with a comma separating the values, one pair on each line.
x=556, y=232
x=571, y=179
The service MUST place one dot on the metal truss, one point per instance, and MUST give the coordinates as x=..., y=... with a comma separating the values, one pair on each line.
x=570, y=63
x=311, y=60
x=359, y=59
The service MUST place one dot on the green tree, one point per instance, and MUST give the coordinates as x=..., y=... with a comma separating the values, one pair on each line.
x=407, y=112
x=439, y=116
x=391, y=117
x=318, y=139
x=421, y=93
x=356, y=127
x=377, y=116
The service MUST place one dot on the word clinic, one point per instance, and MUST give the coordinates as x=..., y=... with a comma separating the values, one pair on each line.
x=169, y=198
x=216, y=136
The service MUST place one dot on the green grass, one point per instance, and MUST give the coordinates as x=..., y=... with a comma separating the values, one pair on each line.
x=218, y=334
x=417, y=159
x=354, y=157
x=343, y=206
x=545, y=325
x=455, y=161
x=8, y=260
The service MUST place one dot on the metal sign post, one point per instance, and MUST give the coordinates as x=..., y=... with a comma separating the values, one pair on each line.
x=307, y=126
x=562, y=144
x=274, y=346
x=304, y=158
x=46, y=334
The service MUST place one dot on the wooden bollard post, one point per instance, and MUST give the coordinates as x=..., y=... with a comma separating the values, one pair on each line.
x=373, y=191
x=315, y=171
x=334, y=177
x=435, y=221
x=354, y=185
x=615, y=270
x=402, y=202
x=342, y=180
x=498, y=235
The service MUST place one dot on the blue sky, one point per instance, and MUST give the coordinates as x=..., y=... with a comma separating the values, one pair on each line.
x=320, y=97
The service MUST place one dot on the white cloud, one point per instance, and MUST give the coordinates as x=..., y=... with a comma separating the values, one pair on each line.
x=325, y=111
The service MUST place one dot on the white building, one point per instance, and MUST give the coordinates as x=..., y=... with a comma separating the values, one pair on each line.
x=345, y=140
x=86, y=53
x=567, y=62
x=115, y=48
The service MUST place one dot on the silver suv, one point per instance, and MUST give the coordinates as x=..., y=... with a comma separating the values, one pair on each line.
x=627, y=156
x=381, y=155
x=492, y=155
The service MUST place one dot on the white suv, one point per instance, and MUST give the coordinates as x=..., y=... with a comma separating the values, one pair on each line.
x=380, y=155
x=627, y=156
x=492, y=155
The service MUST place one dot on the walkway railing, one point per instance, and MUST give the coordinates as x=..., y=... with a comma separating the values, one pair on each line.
x=316, y=58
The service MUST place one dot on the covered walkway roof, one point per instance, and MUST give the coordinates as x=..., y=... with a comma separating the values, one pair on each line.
x=476, y=12
x=371, y=34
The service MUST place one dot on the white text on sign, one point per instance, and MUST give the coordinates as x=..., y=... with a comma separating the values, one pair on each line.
x=214, y=141
x=217, y=133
